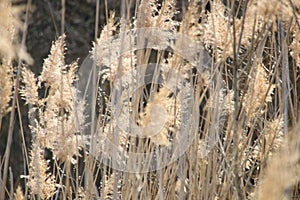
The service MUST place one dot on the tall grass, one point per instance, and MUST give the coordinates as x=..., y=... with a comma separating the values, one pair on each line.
x=205, y=107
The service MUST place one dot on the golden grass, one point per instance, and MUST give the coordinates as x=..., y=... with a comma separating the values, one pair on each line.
x=217, y=119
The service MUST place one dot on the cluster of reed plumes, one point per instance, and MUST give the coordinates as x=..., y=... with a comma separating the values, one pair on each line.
x=205, y=107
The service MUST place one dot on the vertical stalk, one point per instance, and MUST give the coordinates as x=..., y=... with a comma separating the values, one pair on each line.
x=285, y=75
x=63, y=15
x=1, y=116
x=236, y=140
x=68, y=177
x=89, y=162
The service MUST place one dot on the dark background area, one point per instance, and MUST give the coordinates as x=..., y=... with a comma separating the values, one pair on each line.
x=45, y=27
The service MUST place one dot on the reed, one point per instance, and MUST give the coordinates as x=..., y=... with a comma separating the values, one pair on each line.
x=199, y=102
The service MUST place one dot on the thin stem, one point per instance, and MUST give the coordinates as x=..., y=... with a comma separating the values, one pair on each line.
x=68, y=177
x=237, y=182
x=63, y=16
x=1, y=116
x=24, y=149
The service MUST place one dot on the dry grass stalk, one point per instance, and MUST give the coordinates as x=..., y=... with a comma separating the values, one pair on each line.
x=40, y=181
x=58, y=118
x=6, y=82
x=259, y=92
x=295, y=46
x=282, y=171
x=19, y=194
x=260, y=163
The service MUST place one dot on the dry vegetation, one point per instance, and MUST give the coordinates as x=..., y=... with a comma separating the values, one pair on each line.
x=220, y=122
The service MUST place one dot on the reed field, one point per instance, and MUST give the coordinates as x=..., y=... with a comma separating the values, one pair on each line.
x=187, y=99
